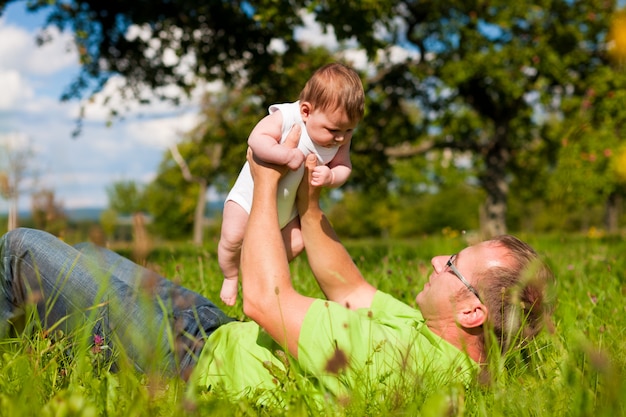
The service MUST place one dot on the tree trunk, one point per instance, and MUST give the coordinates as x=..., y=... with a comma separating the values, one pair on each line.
x=141, y=239
x=13, y=207
x=198, y=218
x=493, y=217
x=493, y=212
x=613, y=209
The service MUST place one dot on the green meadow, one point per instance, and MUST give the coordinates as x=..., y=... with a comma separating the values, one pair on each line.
x=575, y=369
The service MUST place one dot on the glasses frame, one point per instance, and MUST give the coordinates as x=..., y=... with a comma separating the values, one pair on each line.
x=460, y=276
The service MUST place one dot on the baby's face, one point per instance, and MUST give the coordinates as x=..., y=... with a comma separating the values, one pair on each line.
x=328, y=128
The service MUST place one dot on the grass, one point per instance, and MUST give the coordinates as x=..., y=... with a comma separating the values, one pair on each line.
x=577, y=370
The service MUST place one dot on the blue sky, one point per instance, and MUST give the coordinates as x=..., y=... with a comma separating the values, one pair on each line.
x=31, y=115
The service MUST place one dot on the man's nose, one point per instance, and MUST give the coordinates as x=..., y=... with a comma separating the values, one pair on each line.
x=439, y=263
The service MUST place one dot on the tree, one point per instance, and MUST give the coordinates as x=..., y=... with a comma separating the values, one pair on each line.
x=47, y=213
x=590, y=160
x=481, y=73
x=15, y=161
x=215, y=155
x=486, y=71
x=126, y=197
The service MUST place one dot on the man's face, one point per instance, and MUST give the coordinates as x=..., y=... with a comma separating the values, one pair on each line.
x=437, y=300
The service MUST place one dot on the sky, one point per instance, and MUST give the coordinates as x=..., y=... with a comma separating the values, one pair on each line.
x=80, y=169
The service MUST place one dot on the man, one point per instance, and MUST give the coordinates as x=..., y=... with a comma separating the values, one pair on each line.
x=496, y=285
x=357, y=339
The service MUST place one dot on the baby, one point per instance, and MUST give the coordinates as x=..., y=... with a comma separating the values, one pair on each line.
x=328, y=110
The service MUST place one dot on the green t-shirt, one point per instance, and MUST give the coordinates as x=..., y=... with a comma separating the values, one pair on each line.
x=339, y=350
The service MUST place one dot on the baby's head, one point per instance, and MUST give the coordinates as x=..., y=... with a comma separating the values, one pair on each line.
x=336, y=92
x=335, y=86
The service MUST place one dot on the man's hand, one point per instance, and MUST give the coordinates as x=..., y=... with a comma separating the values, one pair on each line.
x=263, y=171
x=308, y=194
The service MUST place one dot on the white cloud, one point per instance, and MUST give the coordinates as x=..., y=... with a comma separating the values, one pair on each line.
x=14, y=140
x=144, y=32
x=162, y=132
x=22, y=63
x=97, y=108
x=54, y=56
x=14, y=45
x=14, y=89
x=19, y=51
x=277, y=46
x=46, y=105
x=312, y=33
x=357, y=58
x=395, y=54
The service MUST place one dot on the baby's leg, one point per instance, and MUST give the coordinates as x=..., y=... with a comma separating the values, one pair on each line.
x=292, y=236
x=229, y=249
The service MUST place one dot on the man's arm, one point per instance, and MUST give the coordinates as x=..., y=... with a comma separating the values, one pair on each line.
x=338, y=276
x=268, y=295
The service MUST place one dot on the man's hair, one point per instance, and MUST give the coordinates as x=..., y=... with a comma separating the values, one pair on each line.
x=516, y=295
x=335, y=86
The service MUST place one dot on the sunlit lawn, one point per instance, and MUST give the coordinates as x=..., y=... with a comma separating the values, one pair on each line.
x=576, y=371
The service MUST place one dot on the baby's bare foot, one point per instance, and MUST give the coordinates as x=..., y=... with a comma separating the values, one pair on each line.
x=228, y=294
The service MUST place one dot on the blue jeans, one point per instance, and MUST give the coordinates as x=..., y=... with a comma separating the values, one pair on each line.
x=156, y=324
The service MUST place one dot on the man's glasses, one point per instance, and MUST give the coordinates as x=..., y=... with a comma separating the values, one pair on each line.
x=460, y=276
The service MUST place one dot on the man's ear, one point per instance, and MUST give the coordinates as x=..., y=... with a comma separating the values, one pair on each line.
x=473, y=315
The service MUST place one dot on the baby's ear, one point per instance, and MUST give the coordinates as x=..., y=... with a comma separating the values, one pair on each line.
x=305, y=110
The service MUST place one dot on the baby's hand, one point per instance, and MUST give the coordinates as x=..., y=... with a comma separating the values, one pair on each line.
x=296, y=159
x=321, y=176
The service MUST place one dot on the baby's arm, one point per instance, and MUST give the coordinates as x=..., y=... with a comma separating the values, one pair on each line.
x=337, y=172
x=264, y=141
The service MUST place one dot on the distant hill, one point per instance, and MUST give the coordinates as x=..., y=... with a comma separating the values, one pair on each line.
x=214, y=208
x=84, y=213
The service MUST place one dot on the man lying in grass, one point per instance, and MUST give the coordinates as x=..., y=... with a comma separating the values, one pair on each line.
x=356, y=338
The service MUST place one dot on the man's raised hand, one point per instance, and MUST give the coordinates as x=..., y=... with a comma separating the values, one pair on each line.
x=291, y=141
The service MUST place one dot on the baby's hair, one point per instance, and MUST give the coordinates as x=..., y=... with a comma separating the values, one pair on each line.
x=335, y=86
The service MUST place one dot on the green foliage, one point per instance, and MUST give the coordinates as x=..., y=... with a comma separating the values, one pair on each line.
x=588, y=170
x=171, y=201
x=430, y=195
x=484, y=73
x=108, y=220
x=454, y=209
x=126, y=197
